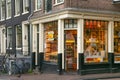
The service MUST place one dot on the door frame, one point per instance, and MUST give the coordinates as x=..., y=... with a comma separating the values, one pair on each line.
x=65, y=48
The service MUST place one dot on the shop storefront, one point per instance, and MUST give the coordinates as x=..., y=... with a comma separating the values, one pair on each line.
x=80, y=44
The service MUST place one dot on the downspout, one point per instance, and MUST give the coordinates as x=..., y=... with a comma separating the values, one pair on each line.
x=31, y=29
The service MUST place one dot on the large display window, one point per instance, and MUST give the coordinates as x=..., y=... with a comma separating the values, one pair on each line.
x=95, y=41
x=117, y=41
x=51, y=41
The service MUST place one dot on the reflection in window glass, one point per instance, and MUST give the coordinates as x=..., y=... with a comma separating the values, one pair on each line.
x=51, y=41
x=117, y=41
x=95, y=41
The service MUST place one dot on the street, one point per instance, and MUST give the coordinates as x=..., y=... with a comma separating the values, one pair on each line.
x=46, y=76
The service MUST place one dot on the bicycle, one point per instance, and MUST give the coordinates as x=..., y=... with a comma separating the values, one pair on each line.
x=14, y=68
x=4, y=64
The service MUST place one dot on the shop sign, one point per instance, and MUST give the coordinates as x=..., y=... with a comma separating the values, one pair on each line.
x=51, y=35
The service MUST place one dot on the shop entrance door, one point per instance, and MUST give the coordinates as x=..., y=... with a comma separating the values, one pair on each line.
x=71, y=50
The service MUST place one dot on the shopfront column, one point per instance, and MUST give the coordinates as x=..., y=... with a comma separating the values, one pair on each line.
x=2, y=40
x=111, y=43
x=80, y=46
x=60, y=46
x=41, y=46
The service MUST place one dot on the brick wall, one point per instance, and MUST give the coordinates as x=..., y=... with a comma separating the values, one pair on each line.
x=94, y=4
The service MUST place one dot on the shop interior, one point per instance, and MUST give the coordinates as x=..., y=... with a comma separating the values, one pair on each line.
x=71, y=50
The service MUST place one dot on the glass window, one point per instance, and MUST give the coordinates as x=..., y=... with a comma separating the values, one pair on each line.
x=9, y=37
x=18, y=36
x=117, y=41
x=95, y=41
x=59, y=1
x=2, y=9
x=8, y=2
x=17, y=7
x=51, y=41
x=70, y=23
x=38, y=4
x=25, y=6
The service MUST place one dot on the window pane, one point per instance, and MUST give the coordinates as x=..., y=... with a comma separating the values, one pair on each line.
x=18, y=37
x=38, y=2
x=117, y=41
x=9, y=37
x=17, y=7
x=8, y=8
x=51, y=41
x=59, y=1
x=3, y=10
x=26, y=6
x=95, y=41
x=70, y=23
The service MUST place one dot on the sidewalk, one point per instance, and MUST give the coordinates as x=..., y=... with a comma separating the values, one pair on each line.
x=45, y=76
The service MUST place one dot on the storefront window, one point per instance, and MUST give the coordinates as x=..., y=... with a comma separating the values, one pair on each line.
x=117, y=41
x=70, y=23
x=51, y=41
x=95, y=41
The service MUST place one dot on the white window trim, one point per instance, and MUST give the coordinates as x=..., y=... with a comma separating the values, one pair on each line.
x=7, y=38
x=17, y=39
x=56, y=3
x=36, y=6
x=24, y=12
x=15, y=10
x=1, y=13
x=8, y=17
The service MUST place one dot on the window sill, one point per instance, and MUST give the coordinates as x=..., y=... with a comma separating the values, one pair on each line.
x=25, y=12
x=8, y=18
x=37, y=10
x=2, y=19
x=17, y=15
x=56, y=4
x=18, y=48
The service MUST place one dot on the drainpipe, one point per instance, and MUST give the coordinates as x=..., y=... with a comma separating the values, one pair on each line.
x=31, y=29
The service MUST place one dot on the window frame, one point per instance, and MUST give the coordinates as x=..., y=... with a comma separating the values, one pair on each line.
x=1, y=10
x=9, y=36
x=116, y=42
x=24, y=6
x=95, y=32
x=20, y=34
x=36, y=5
x=17, y=13
x=57, y=3
x=7, y=9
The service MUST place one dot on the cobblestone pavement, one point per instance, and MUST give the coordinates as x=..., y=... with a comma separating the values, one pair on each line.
x=105, y=76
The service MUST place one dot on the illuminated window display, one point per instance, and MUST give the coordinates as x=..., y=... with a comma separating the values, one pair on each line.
x=51, y=41
x=117, y=41
x=95, y=41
